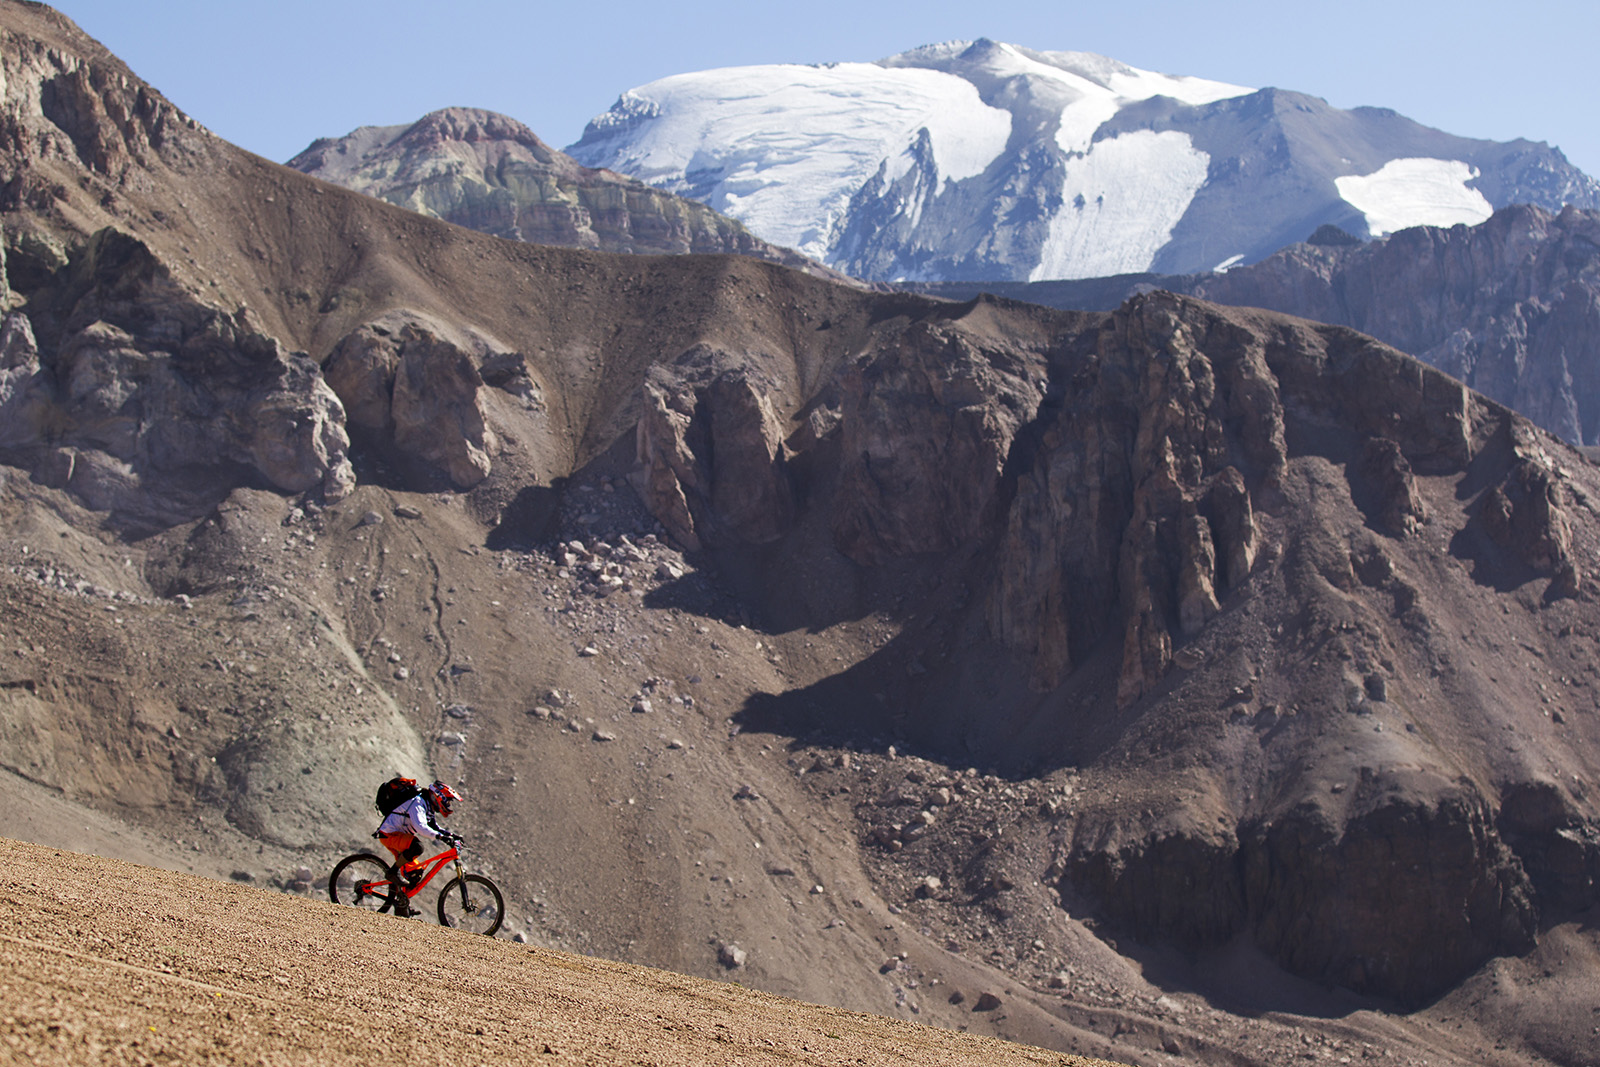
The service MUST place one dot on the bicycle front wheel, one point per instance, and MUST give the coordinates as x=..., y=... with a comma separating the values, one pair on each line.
x=471, y=903
x=361, y=881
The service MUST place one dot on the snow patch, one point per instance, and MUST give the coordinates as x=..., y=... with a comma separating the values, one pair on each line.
x=1415, y=192
x=1120, y=203
x=783, y=148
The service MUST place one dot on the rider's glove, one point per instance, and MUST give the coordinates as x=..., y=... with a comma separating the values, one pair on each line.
x=450, y=838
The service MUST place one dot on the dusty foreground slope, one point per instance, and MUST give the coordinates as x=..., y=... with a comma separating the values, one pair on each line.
x=106, y=962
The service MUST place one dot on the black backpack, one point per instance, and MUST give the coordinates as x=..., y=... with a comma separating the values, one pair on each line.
x=395, y=792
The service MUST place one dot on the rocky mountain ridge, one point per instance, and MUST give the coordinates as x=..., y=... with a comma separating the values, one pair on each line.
x=489, y=172
x=985, y=161
x=891, y=641
x=1510, y=306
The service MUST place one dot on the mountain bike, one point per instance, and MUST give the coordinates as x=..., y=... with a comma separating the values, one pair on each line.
x=468, y=901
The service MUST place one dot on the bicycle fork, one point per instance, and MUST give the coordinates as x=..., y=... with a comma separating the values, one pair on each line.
x=461, y=880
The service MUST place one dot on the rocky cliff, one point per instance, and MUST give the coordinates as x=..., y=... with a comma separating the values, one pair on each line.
x=1027, y=632
x=488, y=172
x=1229, y=562
x=1510, y=306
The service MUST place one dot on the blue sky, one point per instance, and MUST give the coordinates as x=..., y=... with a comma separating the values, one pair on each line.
x=272, y=77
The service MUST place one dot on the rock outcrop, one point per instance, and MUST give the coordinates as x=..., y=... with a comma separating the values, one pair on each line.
x=417, y=395
x=710, y=457
x=150, y=404
x=1158, y=490
x=925, y=431
x=1510, y=306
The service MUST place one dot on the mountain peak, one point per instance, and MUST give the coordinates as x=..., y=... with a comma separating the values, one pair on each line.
x=472, y=125
x=983, y=160
x=487, y=171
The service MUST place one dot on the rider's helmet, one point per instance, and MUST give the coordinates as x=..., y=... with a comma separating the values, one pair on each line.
x=443, y=797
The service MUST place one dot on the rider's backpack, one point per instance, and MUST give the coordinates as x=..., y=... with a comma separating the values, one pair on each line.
x=395, y=792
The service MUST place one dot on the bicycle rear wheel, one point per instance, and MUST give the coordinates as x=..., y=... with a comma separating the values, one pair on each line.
x=361, y=881
x=471, y=903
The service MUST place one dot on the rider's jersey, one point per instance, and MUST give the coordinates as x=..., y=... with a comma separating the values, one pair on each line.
x=415, y=816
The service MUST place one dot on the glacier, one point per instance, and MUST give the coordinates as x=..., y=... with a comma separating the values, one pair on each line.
x=784, y=148
x=1120, y=203
x=980, y=160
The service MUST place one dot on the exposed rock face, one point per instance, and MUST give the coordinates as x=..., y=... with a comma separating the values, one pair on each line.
x=1399, y=507
x=1127, y=470
x=1329, y=899
x=925, y=431
x=1326, y=903
x=82, y=106
x=489, y=172
x=417, y=394
x=711, y=460
x=1527, y=513
x=150, y=403
x=1510, y=306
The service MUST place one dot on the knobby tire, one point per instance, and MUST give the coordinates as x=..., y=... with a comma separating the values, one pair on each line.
x=351, y=872
x=472, y=903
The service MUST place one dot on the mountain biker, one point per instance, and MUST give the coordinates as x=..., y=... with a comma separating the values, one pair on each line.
x=413, y=819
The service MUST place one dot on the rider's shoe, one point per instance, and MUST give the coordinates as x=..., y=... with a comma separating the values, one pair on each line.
x=406, y=911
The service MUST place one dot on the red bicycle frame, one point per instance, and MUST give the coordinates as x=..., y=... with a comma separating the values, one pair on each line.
x=431, y=867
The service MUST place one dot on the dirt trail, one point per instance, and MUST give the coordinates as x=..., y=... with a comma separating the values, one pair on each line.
x=107, y=962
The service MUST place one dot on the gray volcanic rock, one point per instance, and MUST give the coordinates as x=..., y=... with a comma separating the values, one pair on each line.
x=149, y=404
x=988, y=161
x=488, y=172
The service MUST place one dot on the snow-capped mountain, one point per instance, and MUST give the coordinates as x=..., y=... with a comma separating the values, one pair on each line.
x=982, y=160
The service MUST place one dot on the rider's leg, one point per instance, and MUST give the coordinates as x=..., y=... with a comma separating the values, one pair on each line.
x=411, y=868
x=402, y=847
x=405, y=848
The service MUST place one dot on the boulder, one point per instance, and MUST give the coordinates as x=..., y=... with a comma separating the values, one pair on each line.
x=415, y=393
x=709, y=461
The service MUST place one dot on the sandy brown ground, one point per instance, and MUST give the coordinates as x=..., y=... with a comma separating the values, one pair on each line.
x=107, y=962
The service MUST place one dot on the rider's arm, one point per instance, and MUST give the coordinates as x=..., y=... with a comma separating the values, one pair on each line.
x=421, y=819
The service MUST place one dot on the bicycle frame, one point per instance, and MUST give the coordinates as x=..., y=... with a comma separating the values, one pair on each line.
x=430, y=867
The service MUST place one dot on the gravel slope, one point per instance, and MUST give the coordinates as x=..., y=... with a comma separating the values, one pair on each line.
x=107, y=962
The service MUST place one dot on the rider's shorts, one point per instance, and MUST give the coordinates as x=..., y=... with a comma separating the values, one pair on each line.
x=398, y=843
